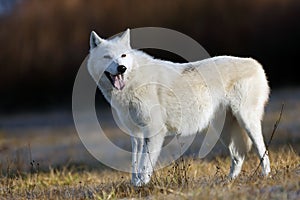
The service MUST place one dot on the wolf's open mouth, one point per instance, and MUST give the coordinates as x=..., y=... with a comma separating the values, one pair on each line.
x=116, y=80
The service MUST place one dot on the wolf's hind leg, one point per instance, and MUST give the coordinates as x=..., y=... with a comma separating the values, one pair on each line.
x=237, y=142
x=252, y=125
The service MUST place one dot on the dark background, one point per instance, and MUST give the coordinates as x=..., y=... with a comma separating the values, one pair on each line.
x=43, y=42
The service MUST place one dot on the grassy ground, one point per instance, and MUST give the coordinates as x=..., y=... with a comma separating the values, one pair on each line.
x=24, y=138
x=186, y=179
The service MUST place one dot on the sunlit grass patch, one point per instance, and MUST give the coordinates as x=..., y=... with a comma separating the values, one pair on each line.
x=186, y=178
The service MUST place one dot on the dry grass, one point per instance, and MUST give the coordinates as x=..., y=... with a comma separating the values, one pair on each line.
x=185, y=179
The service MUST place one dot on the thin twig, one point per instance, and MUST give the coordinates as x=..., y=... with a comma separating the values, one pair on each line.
x=31, y=163
x=270, y=140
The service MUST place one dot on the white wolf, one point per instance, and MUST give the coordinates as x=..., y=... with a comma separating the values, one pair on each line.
x=154, y=98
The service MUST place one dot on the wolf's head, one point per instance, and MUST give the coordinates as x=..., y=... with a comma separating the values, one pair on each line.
x=111, y=57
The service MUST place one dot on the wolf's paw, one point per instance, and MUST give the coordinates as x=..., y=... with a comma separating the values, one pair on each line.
x=141, y=180
x=266, y=174
x=266, y=169
x=137, y=182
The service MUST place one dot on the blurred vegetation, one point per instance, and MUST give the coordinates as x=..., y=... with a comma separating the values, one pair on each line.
x=44, y=42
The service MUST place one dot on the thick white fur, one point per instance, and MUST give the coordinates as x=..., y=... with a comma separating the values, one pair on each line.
x=161, y=98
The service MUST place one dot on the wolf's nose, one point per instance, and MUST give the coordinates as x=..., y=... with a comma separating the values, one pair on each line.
x=121, y=69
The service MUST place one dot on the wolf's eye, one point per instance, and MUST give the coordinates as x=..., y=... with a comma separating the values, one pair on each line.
x=123, y=55
x=107, y=57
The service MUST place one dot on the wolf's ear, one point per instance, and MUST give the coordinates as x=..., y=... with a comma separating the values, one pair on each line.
x=95, y=40
x=125, y=38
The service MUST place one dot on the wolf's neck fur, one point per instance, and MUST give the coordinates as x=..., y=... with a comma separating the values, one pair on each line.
x=142, y=58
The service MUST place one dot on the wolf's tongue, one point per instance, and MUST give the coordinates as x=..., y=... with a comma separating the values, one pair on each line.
x=119, y=82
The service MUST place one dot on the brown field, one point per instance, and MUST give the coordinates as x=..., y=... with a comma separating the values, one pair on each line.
x=42, y=157
x=185, y=179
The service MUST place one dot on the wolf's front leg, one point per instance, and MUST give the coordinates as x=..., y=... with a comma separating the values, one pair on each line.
x=151, y=150
x=137, y=148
